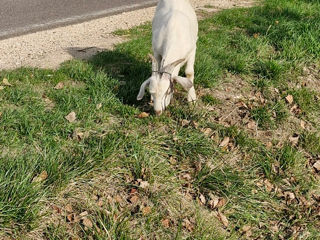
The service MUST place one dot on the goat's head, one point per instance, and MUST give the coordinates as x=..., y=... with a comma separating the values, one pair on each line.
x=161, y=84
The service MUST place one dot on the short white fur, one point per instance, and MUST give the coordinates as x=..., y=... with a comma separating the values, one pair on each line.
x=174, y=43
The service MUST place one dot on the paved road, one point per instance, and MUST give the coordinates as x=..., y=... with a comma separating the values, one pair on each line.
x=22, y=16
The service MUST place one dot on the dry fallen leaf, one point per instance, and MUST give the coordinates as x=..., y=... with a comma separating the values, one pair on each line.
x=317, y=165
x=77, y=135
x=146, y=211
x=221, y=202
x=213, y=203
x=134, y=199
x=303, y=124
x=87, y=222
x=70, y=217
x=294, y=139
x=71, y=117
x=6, y=82
x=165, y=223
x=223, y=219
x=269, y=144
x=202, y=199
x=186, y=177
x=289, y=195
x=69, y=208
x=56, y=209
x=41, y=177
x=98, y=106
x=1, y=87
x=256, y=35
x=118, y=199
x=100, y=203
x=289, y=99
x=144, y=184
x=252, y=125
x=60, y=85
x=185, y=122
x=83, y=214
x=268, y=185
x=188, y=225
x=246, y=228
x=143, y=115
x=225, y=142
x=206, y=131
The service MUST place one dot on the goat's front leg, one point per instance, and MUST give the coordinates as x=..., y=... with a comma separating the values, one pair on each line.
x=190, y=75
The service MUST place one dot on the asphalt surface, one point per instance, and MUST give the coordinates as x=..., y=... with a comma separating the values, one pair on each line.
x=19, y=17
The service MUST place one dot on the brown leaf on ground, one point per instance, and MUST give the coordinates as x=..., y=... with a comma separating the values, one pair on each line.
x=134, y=199
x=70, y=217
x=195, y=124
x=223, y=219
x=98, y=106
x=1, y=88
x=133, y=191
x=83, y=214
x=71, y=117
x=221, y=203
x=185, y=122
x=165, y=223
x=294, y=139
x=289, y=195
x=289, y=99
x=303, y=124
x=118, y=199
x=59, y=86
x=143, y=115
x=6, y=82
x=269, y=144
x=146, y=211
x=100, y=203
x=87, y=222
x=68, y=208
x=144, y=184
x=56, y=209
x=202, y=199
x=225, y=142
x=268, y=185
x=41, y=177
x=49, y=103
x=186, y=177
x=213, y=203
x=187, y=225
x=252, y=125
x=206, y=131
x=316, y=165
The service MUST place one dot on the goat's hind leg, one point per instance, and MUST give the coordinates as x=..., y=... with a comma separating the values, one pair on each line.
x=190, y=75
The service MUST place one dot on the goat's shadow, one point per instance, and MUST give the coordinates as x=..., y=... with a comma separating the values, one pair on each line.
x=129, y=71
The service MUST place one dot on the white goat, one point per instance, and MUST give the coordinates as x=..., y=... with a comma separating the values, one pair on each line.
x=174, y=39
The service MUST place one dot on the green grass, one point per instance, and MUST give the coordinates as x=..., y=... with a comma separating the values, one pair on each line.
x=109, y=152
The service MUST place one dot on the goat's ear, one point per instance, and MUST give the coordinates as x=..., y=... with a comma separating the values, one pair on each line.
x=170, y=67
x=155, y=65
x=143, y=89
x=184, y=82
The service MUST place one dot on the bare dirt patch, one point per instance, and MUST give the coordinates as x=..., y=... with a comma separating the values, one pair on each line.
x=48, y=49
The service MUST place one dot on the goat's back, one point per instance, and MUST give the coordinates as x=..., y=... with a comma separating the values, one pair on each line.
x=175, y=29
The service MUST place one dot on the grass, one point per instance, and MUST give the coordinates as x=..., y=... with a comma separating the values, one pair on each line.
x=158, y=177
